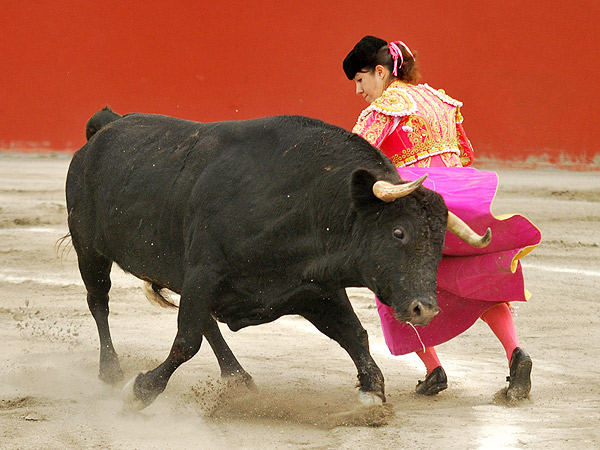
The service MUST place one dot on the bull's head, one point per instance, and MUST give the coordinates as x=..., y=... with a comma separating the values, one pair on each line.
x=406, y=229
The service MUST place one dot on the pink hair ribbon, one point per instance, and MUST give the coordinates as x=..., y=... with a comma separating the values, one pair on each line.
x=397, y=53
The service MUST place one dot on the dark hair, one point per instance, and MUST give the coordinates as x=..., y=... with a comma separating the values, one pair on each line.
x=371, y=52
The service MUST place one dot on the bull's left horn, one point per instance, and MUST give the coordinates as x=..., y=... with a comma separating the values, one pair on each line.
x=389, y=192
x=461, y=230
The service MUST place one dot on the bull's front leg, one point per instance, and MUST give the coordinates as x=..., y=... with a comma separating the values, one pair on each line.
x=333, y=316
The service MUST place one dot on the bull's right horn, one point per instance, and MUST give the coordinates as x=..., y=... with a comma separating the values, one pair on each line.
x=388, y=192
x=461, y=230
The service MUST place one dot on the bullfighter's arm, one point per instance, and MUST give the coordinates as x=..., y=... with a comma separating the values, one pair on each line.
x=374, y=128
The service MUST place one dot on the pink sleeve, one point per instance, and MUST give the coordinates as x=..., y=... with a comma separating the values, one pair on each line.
x=374, y=128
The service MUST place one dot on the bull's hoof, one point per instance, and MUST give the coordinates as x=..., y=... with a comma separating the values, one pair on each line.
x=239, y=384
x=110, y=371
x=250, y=384
x=435, y=382
x=112, y=376
x=520, y=376
x=240, y=378
x=371, y=398
x=131, y=401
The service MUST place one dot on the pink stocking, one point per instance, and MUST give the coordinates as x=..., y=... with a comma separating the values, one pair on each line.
x=429, y=358
x=501, y=323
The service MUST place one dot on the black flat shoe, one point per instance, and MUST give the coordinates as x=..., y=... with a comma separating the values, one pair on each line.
x=435, y=382
x=520, y=375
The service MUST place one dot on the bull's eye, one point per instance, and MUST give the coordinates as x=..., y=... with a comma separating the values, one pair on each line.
x=399, y=234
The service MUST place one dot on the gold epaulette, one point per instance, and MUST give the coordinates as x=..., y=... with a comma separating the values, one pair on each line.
x=395, y=102
x=441, y=94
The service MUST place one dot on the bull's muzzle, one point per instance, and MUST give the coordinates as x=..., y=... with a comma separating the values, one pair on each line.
x=421, y=311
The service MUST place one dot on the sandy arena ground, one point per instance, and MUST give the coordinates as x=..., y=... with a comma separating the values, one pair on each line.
x=51, y=398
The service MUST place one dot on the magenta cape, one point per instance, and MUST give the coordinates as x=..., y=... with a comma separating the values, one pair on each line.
x=470, y=280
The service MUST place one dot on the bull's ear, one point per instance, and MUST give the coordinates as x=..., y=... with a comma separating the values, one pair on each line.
x=362, y=188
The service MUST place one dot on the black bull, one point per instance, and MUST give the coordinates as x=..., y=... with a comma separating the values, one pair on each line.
x=248, y=221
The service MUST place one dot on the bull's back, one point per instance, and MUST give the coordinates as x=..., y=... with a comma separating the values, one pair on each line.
x=145, y=134
x=143, y=159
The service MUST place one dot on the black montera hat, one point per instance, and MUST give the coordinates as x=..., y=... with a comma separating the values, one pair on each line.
x=362, y=55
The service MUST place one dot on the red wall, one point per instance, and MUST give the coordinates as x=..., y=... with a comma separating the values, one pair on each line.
x=526, y=71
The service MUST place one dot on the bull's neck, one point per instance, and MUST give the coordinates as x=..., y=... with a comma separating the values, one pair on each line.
x=333, y=269
x=337, y=254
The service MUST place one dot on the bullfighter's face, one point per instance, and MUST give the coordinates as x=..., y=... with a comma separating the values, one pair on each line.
x=371, y=84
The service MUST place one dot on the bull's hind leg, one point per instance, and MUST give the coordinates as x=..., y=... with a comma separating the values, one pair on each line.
x=192, y=320
x=334, y=317
x=230, y=366
x=95, y=272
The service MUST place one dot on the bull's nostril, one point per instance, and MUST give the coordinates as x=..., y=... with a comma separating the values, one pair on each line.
x=417, y=310
x=421, y=312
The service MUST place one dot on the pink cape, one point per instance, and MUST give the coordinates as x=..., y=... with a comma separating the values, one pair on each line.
x=470, y=280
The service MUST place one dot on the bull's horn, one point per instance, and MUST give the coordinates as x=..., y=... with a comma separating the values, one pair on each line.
x=461, y=230
x=389, y=192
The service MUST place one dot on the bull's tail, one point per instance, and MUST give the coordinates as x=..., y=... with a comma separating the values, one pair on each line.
x=62, y=246
x=155, y=296
x=99, y=120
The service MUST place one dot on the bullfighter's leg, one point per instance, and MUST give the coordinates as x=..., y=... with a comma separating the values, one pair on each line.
x=193, y=318
x=95, y=272
x=230, y=367
x=335, y=318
